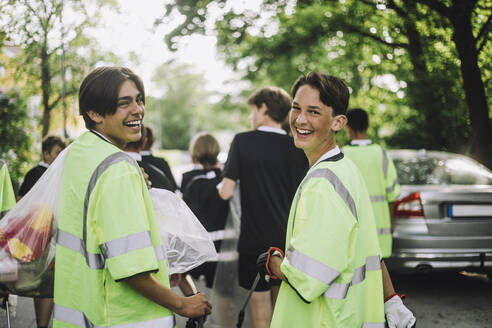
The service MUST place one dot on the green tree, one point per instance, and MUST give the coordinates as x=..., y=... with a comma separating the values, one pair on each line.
x=15, y=137
x=41, y=31
x=185, y=107
x=364, y=42
x=174, y=113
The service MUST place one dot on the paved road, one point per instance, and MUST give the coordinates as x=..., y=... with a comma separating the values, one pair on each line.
x=442, y=300
x=439, y=300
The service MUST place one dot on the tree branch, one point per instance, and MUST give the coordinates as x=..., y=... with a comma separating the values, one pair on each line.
x=437, y=6
x=379, y=40
x=399, y=11
x=483, y=32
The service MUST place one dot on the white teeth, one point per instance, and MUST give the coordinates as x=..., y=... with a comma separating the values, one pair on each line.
x=133, y=123
x=303, y=131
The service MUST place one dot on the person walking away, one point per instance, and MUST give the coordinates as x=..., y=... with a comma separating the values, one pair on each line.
x=199, y=188
x=269, y=168
x=331, y=273
x=110, y=268
x=378, y=171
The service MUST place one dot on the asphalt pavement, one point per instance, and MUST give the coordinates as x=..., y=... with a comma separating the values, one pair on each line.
x=438, y=300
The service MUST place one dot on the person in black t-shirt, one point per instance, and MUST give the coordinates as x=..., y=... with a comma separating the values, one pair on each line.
x=51, y=147
x=158, y=162
x=199, y=188
x=269, y=168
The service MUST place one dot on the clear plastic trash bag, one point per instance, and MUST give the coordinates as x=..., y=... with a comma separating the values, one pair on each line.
x=27, y=237
x=185, y=240
x=226, y=296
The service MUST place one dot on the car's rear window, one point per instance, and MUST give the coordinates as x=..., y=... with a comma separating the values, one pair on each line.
x=436, y=171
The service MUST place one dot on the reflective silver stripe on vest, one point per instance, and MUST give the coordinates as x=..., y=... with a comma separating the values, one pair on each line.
x=339, y=291
x=113, y=248
x=385, y=162
x=100, y=169
x=373, y=325
x=74, y=243
x=79, y=319
x=392, y=187
x=383, y=231
x=378, y=198
x=311, y=267
x=126, y=244
x=337, y=185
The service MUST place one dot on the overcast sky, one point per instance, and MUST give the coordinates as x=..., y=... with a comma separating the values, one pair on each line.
x=132, y=31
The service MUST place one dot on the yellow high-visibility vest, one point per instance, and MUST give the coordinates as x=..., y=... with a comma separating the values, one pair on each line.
x=332, y=262
x=106, y=233
x=380, y=176
x=7, y=197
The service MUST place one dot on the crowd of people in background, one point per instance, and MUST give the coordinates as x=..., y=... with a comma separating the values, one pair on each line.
x=314, y=223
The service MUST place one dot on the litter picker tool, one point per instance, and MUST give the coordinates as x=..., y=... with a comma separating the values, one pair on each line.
x=240, y=317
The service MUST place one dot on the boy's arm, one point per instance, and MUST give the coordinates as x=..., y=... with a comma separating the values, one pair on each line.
x=226, y=188
x=151, y=288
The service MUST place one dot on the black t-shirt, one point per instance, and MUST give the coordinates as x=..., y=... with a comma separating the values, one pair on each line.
x=162, y=165
x=31, y=178
x=269, y=168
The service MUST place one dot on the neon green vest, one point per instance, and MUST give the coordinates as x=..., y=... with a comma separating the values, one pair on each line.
x=7, y=197
x=333, y=257
x=380, y=177
x=107, y=232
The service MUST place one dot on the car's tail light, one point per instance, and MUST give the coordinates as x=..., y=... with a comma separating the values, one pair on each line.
x=409, y=206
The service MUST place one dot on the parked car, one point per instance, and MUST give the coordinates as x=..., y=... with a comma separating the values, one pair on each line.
x=443, y=217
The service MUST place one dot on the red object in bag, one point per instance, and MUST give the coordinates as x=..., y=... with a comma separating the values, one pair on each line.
x=26, y=238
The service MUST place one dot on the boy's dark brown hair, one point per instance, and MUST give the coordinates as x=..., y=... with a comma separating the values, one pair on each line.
x=333, y=91
x=277, y=101
x=99, y=91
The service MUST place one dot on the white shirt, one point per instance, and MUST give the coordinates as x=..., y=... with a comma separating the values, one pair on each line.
x=135, y=156
x=43, y=164
x=361, y=142
x=265, y=128
x=102, y=136
x=328, y=154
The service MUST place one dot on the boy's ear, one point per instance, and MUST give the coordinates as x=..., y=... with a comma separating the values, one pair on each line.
x=339, y=122
x=95, y=116
x=263, y=108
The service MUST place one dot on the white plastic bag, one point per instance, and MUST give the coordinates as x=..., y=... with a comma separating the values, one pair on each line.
x=185, y=240
x=27, y=237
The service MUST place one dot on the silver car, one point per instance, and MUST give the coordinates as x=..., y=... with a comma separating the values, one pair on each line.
x=443, y=217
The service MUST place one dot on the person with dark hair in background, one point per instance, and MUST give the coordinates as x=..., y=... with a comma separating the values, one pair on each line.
x=110, y=262
x=158, y=162
x=378, y=171
x=199, y=188
x=269, y=168
x=51, y=147
x=157, y=178
x=332, y=274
